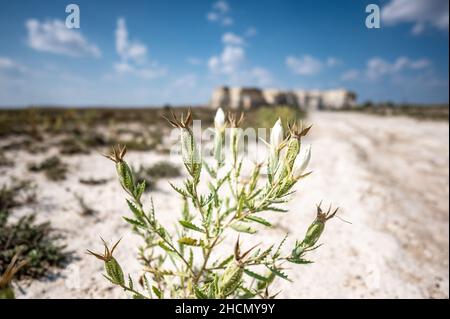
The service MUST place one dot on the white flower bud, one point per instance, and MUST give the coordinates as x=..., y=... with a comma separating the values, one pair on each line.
x=301, y=161
x=276, y=135
x=276, y=138
x=219, y=120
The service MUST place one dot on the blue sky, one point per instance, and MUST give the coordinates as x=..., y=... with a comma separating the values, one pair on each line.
x=135, y=53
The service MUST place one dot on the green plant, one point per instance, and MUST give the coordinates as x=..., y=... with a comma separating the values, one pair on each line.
x=188, y=265
x=17, y=193
x=38, y=243
x=73, y=146
x=54, y=168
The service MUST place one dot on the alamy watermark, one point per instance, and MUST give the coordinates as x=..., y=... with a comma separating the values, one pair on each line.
x=373, y=20
x=73, y=19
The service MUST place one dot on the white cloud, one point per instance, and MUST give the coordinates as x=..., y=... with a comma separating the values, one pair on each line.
x=232, y=39
x=212, y=16
x=134, y=56
x=378, y=67
x=227, y=21
x=350, y=75
x=228, y=61
x=54, y=37
x=8, y=64
x=233, y=65
x=304, y=65
x=220, y=13
x=128, y=50
x=332, y=61
x=309, y=65
x=194, y=61
x=421, y=13
x=251, y=32
x=221, y=6
x=188, y=81
x=261, y=76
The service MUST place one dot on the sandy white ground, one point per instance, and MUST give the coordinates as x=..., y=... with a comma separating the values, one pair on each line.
x=390, y=176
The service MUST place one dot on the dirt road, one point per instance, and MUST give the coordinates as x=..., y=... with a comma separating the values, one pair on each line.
x=390, y=176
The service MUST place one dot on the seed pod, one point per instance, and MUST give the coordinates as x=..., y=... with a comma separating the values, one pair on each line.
x=125, y=176
x=114, y=271
x=112, y=267
x=235, y=134
x=313, y=233
x=293, y=148
x=189, y=152
x=230, y=279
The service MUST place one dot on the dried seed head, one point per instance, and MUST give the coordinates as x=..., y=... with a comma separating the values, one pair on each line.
x=117, y=154
x=112, y=267
x=315, y=230
x=108, y=254
x=237, y=252
x=298, y=131
x=234, y=121
x=323, y=217
x=182, y=122
x=14, y=266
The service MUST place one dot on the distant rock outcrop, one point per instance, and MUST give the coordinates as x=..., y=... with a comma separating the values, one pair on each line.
x=246, y=98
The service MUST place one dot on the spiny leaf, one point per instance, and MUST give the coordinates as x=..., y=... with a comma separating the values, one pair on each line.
x=241, y=227
x=209, y=169
x=165, y=247
x=139, y=189
x=259, y=220
x=226, y=261
x=199, y=293
x=157, y=292
x=279, y=273
x=136, y=211
x=276, y=209
x=264, y=254
x=130, y=282
x=146, y=284
x=299, y=261
x=206, y=200
x=179, y=190
x=190, y=225
x=191, y=257
x=247, y=293
x=255, y=275
x=277, y=252
x=134, y=222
